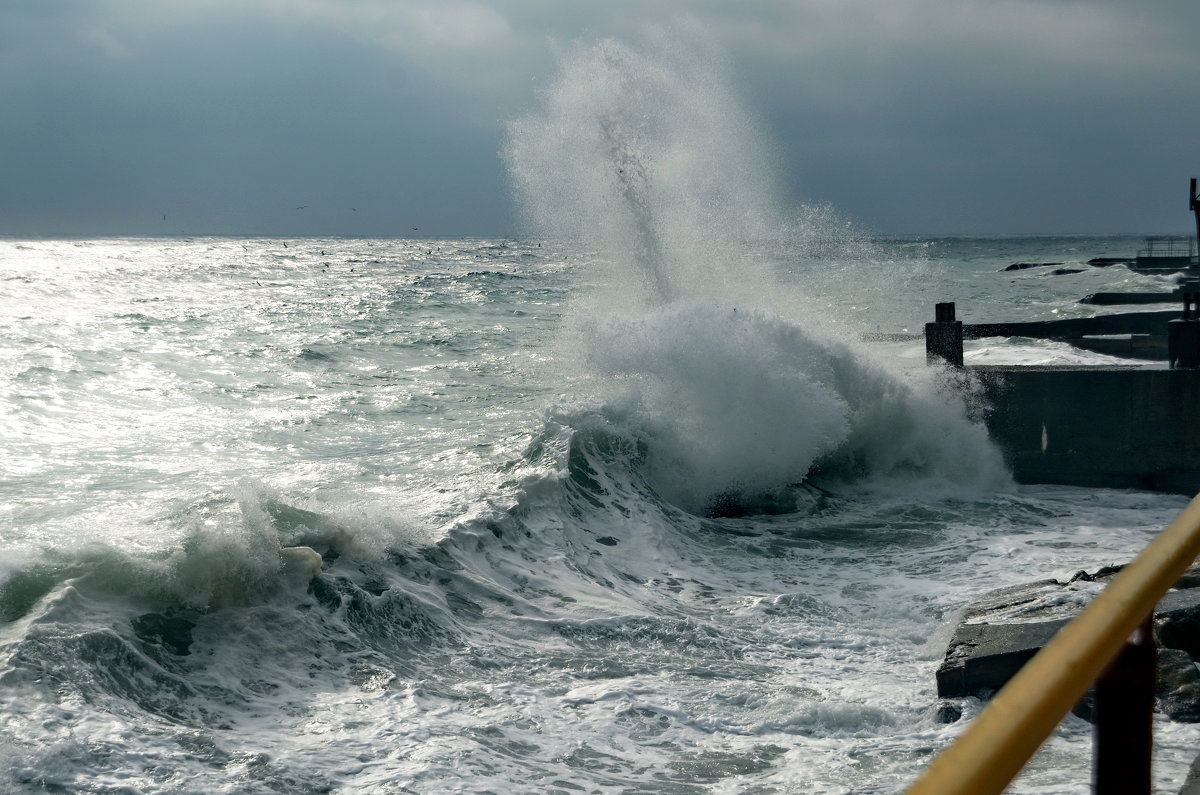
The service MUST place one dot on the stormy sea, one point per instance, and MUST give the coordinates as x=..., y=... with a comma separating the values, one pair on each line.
x=636, y=502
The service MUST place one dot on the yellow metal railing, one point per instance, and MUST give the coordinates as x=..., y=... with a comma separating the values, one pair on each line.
x=998, y=743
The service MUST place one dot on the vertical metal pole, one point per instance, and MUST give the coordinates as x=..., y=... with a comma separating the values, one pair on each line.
x=1183, y=335
x=1123, y=718
x=1194, y=206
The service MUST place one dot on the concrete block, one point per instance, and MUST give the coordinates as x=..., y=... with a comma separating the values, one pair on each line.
x=1004, y=628
x=982, y=657
x=1107, y=427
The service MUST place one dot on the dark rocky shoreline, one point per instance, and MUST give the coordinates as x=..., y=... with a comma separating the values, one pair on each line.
x=1003, y=629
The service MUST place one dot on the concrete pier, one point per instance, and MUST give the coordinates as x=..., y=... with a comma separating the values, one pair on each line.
x=1150, y=323
x=1114, y=299
x=1098, y=426
x=1109, y=427
x=1137, y=335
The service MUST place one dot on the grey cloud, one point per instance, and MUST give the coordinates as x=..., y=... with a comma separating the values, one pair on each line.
x=915, y=115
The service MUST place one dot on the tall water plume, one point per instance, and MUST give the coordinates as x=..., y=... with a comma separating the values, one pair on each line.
x=646, y=156
x=645, y=159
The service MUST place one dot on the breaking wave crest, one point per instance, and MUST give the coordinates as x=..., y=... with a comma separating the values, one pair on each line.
x=741, y=404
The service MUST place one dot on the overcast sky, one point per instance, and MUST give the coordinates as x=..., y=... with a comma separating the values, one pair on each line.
x=378, y=116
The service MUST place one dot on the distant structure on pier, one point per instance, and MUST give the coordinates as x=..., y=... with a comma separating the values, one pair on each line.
x=1172, y=252
x=1166, y=253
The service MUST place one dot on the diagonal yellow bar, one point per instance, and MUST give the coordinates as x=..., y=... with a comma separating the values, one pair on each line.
x=998, y=743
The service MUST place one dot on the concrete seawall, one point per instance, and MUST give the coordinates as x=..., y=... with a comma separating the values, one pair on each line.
x=1111, y=427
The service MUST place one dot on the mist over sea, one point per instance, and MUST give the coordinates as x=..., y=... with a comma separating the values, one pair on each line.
x=625, y=505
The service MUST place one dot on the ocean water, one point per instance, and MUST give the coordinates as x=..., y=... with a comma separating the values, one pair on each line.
x=339, y=515
x=626, y=505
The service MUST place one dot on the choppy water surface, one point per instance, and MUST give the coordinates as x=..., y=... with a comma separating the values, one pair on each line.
x=555, y=546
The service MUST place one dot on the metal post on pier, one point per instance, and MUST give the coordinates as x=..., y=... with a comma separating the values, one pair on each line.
x=1123, y=718
x=1183, y=335
x=1194, y=206
x=944, y=337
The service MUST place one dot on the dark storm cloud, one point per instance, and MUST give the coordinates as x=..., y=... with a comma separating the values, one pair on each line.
x=227, y=118
x=380, y=115
x=1006, y=116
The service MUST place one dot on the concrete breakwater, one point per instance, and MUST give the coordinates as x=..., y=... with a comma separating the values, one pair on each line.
x=1109, y=427
x=1098, y=426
